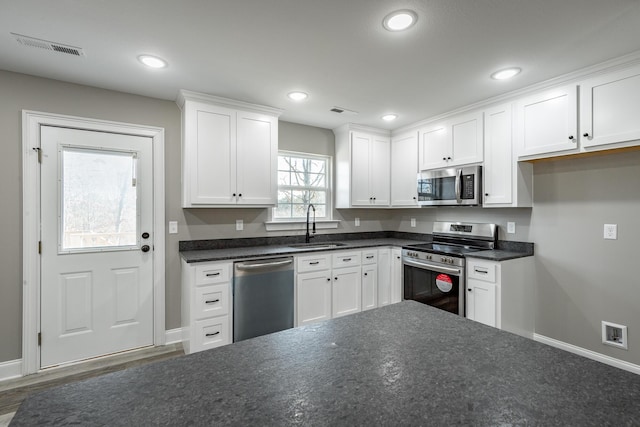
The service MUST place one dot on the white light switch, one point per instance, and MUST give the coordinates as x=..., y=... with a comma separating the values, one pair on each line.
x=173, y=227
x=511, y=227
x=413, y=222
x=357, y=222
x=611, y=231
x=239, y=225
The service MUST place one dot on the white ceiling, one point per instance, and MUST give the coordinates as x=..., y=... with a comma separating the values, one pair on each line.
x=335, y=50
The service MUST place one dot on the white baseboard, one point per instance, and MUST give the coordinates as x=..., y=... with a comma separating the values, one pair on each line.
x=608, y=360
x=10, y=369
x=173, y=336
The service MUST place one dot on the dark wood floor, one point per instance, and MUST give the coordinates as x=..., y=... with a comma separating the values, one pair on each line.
x=13, y=392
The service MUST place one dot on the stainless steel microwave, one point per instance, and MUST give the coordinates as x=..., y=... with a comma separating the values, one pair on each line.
x=450, y=187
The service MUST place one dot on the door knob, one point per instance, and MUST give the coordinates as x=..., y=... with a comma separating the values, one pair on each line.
x=145, y=248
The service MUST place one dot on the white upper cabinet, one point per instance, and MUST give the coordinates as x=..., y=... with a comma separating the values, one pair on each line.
x=229, y=155
x=610, y=109
x=363, y=167
x=507, y=183
x=547, y=123
x=453, y=142
x=404, y=170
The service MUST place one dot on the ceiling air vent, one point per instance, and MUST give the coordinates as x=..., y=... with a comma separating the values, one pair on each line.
x=341, y=110
x=47, y=45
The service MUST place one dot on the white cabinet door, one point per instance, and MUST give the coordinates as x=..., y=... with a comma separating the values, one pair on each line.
x=397, y=287
x=610, y=108
x=481, y=302
x=347, y=291
x=547, y=122
x=384, y=277
x=369, y=286
x=498, y=160
x=380, y=170
x=404, y=169
x=466, y=139
x=435, y=147
x=210, y=154
x=257, y=157
x=360, y=164
x=313, y=297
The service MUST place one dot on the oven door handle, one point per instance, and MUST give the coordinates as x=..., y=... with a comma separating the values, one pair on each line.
x=438, y=268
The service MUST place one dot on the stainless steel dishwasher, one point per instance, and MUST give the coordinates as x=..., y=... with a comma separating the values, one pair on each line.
x=262, y=297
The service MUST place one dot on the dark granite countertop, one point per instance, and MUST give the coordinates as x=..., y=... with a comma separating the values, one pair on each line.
x=498, y=255
x=274, y=250
x=404, y=364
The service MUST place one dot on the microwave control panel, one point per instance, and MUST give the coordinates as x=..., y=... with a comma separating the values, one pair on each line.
x=468, y=186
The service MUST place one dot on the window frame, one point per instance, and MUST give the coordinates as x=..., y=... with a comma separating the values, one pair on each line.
x=328, y=188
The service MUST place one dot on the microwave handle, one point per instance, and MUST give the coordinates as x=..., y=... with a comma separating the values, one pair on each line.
x=458, y=185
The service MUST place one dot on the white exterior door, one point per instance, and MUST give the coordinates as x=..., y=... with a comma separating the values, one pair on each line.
x=96, y=293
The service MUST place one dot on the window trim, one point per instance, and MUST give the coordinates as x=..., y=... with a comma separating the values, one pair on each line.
x=276, y=224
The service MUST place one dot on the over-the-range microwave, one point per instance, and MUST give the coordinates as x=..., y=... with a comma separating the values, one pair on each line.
x=450, y=187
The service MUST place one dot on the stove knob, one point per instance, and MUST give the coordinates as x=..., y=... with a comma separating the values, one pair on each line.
x=443, y=259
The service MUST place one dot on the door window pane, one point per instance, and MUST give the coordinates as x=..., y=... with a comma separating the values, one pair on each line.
x=99, y=199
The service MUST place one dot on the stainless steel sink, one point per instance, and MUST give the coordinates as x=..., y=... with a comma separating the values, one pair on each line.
x=328, y=245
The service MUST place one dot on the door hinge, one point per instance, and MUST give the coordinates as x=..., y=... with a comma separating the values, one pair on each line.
x=39, y=151
x=39, y=246
x=39, y=338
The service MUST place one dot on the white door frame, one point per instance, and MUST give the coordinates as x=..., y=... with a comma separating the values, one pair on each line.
x=31, y=122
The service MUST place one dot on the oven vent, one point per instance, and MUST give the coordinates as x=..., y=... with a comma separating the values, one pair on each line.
x=47, y=45
x=341, y=110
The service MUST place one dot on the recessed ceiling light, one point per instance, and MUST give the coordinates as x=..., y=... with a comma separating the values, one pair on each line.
x=400, y=20
x=389, y=117
x=506, y=73
x=297, y=96
x=152, y=61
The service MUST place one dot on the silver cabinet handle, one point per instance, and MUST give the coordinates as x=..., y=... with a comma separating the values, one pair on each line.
x=346, y=259
x=212, y=334
x=477, y=270
x=213, y=274
x=314, y=263
x=212, y=301
x=370, y=257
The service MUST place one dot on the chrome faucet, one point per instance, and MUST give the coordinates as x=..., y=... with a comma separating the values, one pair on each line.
x=308, y=236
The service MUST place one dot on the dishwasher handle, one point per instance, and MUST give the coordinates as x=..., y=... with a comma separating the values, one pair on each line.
x=263, y=265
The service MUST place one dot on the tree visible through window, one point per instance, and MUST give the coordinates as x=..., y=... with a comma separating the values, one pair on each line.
x=302, y=179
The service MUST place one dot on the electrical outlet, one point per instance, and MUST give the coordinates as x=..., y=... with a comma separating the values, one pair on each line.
x=614, y=335
x=239, y=225
x=173, y=227
x=511, y=227
x=413, y=222
x=357, y=221
x=611, y=231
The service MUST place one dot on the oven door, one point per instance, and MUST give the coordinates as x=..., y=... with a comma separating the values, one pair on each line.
x=435, y=285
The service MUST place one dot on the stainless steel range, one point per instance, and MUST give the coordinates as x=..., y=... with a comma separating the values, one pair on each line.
x=434, y=273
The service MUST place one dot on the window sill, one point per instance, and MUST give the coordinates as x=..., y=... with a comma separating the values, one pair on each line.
x=299, y=225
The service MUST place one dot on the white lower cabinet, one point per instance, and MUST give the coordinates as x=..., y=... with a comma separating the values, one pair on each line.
x=499, y=294
x=206, y=305
x=335, y=284
x=313, y=297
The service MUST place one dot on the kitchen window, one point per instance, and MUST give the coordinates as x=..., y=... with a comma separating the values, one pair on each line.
x=302, y=179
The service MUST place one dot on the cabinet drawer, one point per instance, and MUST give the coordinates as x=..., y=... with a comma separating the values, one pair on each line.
x=211, y=333
x=211, y=301
x=212, y=273
x=314, y=262
x=369, y=256
x=482, y=270
x=346, y=259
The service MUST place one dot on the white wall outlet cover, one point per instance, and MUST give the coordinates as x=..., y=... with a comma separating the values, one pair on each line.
x=413, y=222
x=173, y=227
x=357, y=221
x=239, y=225
x=614, y=335
x=511, y=227
x=611, y=231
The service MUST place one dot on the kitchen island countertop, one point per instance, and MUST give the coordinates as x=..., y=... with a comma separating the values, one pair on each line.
x=403, y=364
